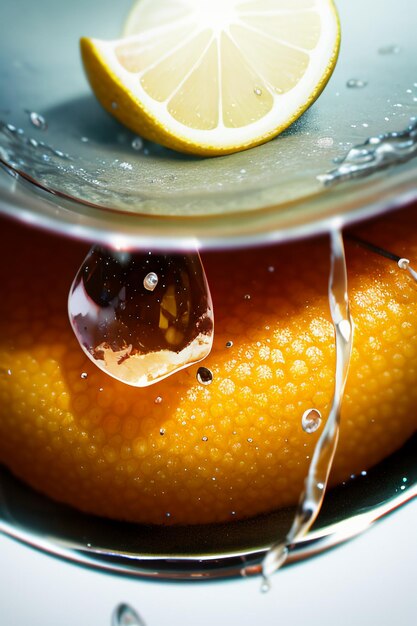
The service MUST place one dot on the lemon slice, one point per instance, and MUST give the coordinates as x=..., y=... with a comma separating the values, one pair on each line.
x=215, y=77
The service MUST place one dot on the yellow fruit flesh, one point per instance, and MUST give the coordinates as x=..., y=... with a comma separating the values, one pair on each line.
x=186, y=79
x=181, y=452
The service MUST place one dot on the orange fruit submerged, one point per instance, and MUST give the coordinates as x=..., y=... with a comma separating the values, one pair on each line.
x=183, y=452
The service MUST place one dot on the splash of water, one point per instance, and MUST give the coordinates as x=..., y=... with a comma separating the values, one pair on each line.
x=375, y=154
x=316, y=482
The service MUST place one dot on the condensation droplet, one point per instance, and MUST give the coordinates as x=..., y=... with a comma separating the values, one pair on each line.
x=204, y=376
x=150, y=281
x=229, y=344
x=311, y=421
x=38, y=120
x=84, y=375
x=125, y=615
x=356, y=83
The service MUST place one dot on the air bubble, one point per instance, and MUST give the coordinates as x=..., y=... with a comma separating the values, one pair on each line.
x=204, y=376
x=257, y=91
x=158, y=400
x=311, y=421
x=229, y=344
x=84, y=375
x=150, y=281
x=205, y=438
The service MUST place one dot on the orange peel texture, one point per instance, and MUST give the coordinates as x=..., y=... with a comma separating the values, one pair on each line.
x=180, y=452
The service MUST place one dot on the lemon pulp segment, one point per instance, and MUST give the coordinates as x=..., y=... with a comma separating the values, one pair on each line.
x=215, y=77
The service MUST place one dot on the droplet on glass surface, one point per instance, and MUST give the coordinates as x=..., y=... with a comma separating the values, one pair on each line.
x=137, y=143
x=257, y=91
x=135, y=335
x=311, y=421
x=388, y=50
x=38, y=120
x=229, y=344
x=84, y=375
x=125, y=615
x=356, y=83
x=204, y=376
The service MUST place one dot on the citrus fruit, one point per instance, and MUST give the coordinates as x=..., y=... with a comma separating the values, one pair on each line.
x=185, y=452
x=215, y=77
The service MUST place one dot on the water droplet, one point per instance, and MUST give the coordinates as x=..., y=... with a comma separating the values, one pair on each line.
x=158, y=400
x=9, y=372
x=134, y=338
x=204, y=438
x=150, y=281
x=246, y=296
x=243, y=171
x=229, y=344
x=38, y=120
x=84, y=375
x=204, y=376
x=125, y=615
x=167, y=514
x=403, y=264
x=391, y=49
x=266, y=585
x=137, y=143
x=250, y=440
x=162, y=431
x=311, y=421
x=257, y=91
x=355, y=83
